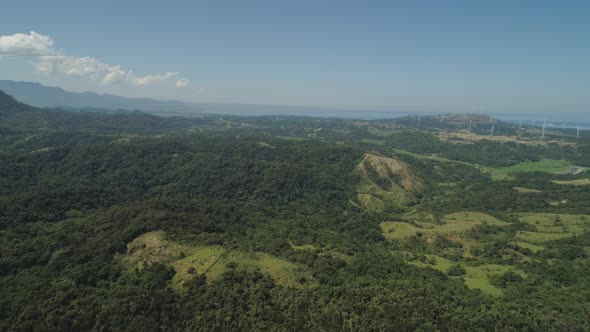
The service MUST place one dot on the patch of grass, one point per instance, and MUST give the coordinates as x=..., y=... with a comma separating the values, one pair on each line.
x=202, y=259
x=484, y=285
x=265, y=145
x=537, y=237
x=292, y=138
x=464, y=221
x=546, y=165
x=458, y=222
x=431, y=157
x=579, y=182
x=523, y=190
x=373, y=141
x=550, y=223
x=475, y=217
x=420, y=217
x=211, y=261
x=440, y=263
x=306, y=246
x=476, y=277
x=397, y=230
x=566, y=224
x=531, y=247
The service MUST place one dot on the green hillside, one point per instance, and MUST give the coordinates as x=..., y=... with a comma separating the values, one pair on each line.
x=132, y=222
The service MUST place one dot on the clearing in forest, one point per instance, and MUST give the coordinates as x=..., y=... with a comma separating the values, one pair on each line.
x=372, y=141
x=545, y=165
x=524, y=190
x=212, y=261
x=453, y=223
x=578, y=182
x=549, y=226
x=476, y=277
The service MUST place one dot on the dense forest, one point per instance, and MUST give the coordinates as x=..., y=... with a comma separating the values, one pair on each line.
x=133, y=222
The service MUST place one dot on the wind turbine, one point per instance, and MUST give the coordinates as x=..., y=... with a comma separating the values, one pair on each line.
x=470, y=121
x=578, y=132
x=492, y=130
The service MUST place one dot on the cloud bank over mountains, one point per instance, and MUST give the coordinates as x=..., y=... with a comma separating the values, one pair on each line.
x=50, y=60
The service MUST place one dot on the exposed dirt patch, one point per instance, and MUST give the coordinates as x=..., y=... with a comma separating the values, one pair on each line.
x=389, y=167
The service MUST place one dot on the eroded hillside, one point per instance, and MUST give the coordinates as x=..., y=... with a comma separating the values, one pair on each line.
x=386, y=183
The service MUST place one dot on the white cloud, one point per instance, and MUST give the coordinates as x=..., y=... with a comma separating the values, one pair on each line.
x=149, y=79
x=21, y=44
x=51, y=60
x=182, y=83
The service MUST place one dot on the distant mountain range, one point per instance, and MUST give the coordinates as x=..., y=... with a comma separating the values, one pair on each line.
x=38, y=95
x=18, y=117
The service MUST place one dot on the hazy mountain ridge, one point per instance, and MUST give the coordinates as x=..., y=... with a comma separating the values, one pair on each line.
x=38, y=95
x=15, y=115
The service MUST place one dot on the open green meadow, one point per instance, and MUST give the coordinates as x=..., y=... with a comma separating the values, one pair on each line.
x=549, y=226
x=211, y=261
x=578, y=182
x=545, y=165
x=453, y=223
x=372, y=141
x=476, y=277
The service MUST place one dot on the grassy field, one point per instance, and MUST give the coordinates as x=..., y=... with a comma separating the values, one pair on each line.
x=372, y=141
x=546, y=165
x=397, y=230
x=265, y=145
x=550, y=226
x=211, y=261
x=539, y=237
x=420, y=217
x=431, y=157
x=579, y=182
x=454, y=223
x=534, y=248
x=476, y=277
x=303, y=247
x=476, y=217
x=523, y=190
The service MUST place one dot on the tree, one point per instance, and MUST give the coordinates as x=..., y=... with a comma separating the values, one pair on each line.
x=456, y=270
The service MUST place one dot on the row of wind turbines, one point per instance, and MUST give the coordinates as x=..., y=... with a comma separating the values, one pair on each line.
x=545, y=126
x=550, y=125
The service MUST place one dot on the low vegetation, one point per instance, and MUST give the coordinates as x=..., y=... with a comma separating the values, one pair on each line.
x=549, y=166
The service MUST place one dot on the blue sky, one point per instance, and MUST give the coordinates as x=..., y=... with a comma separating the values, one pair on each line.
x=439, y=56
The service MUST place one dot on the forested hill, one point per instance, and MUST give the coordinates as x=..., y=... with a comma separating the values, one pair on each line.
x=132, y=222
x=18, y=116
x=9, y=105
x=39, y=95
